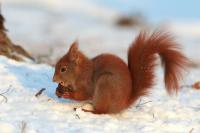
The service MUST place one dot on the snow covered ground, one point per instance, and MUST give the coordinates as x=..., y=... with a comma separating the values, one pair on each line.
x=46, y=28
x=156, y=113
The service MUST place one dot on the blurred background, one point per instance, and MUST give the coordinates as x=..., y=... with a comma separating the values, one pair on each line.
x=46, y=28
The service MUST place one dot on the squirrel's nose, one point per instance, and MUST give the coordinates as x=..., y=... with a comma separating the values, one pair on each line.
x=55, y=79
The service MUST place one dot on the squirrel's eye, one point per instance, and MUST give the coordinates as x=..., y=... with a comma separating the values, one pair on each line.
x=63, y=69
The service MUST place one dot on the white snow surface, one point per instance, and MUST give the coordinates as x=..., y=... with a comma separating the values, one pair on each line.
x=158, y=113
x=45, y=25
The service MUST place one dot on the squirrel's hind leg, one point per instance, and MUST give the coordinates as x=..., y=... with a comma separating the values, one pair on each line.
x=103, y=98
x=90, y=108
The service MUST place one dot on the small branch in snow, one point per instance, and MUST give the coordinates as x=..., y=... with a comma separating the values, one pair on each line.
x=140, y=104
x=185, y=86
x=2, y=94
x=23, y=126
x=6, y=99
x=191, y=130
x=77, y=116
x=153, y=116
x=40, y=92
x=75, y=108
x=49, y=99
x=195, y=85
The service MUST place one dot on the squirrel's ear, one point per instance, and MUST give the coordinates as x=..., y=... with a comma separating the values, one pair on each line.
x=73, y=51
x=74, y=46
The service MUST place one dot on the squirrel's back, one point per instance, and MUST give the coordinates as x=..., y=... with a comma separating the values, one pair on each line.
x=110, y=63
x=113, y=84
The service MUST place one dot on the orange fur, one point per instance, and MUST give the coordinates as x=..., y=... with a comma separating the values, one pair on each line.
x=109, y=83
x=142, y=61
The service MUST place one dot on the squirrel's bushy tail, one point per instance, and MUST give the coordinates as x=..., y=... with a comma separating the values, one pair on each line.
x=142, y=57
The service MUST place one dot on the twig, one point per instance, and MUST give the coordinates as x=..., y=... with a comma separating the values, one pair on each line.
x=40, y=92
x=2, y=94
x=49, y=99
x=77, y=116
x=140, y=104
x=6, y=90
x=191, y=130
x=145, y=103
x=23, y=126
x=195, y=85
x=4, y=97
x=185, y=86
x=75, y=108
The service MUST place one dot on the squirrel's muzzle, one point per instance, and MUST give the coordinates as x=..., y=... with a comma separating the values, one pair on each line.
x=55, y=79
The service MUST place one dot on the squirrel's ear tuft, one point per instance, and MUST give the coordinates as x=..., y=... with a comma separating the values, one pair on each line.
x=74, y=46
x=73, y=51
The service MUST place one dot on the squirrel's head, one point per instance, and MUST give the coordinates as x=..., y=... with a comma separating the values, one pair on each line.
x=68, y=68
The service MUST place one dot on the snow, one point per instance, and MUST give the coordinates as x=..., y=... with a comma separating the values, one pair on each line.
x=47, y=28
x=156, y=113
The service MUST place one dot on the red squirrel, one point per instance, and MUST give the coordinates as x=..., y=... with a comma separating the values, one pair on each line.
x=110, y=83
